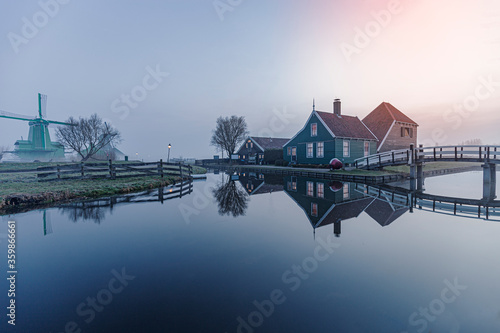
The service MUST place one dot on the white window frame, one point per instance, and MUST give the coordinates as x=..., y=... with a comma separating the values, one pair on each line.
x=315, y=132
x=318, y=153
x=348, y=148
x=313, y=211
x=367, y=152
x=310, y=189
x=346, y=190
x=312, y=149
x=320, y=193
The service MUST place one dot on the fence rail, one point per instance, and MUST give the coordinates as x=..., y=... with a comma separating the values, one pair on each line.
x=108, y=170
x=464, y=153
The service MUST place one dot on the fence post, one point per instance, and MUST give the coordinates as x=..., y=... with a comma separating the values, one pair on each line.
x=58, y=172
x=456, y=153
x=111, y=169
x=82, y=168
x=160, y=168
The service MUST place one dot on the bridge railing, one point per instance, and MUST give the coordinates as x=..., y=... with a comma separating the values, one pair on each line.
x=466, y=153
x=393, y=157
x=457, y=153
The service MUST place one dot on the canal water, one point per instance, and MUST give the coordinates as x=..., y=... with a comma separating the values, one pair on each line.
x=257, y=253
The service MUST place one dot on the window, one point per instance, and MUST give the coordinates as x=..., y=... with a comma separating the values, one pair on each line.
x=367, y=148
x=309, y=152
x=320, y=149
x=346, y=191
x=294, y=183
x=320, y=190
x=310, y=189
x=406, y=132
x=347, y=150
x=314, y=129
x=289, y=151
x=251, y=144
x=246, y=145
x=314, y=209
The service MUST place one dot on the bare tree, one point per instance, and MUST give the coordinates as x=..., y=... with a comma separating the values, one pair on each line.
x=87, y=136
x=229, y=133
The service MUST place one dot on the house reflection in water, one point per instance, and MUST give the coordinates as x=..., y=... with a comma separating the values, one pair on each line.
x=328, y=202
x=258, y=183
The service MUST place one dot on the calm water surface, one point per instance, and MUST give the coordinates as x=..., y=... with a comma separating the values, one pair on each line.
x=289, y=254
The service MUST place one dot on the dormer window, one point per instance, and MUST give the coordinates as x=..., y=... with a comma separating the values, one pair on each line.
x=314, y=129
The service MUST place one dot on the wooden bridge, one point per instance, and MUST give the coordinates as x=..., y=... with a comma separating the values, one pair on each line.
x=467, y=153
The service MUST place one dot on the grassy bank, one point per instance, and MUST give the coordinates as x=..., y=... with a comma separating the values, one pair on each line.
x=25, y=191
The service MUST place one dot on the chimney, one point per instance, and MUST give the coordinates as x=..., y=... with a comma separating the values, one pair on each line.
x=336, y=107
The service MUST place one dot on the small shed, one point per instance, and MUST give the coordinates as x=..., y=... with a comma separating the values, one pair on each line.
x=261, y=150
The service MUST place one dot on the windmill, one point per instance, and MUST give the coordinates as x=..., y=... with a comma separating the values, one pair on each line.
x=38, y=146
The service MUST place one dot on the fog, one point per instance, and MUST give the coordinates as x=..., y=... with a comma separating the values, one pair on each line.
x=163, y=71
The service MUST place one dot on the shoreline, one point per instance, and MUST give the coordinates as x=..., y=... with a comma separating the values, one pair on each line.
x=16, y=196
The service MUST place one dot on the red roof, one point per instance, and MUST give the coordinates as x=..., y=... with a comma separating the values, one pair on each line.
x=380, y=120
x=346, y=126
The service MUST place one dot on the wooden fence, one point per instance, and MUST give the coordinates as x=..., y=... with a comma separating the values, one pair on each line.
x=108, y=170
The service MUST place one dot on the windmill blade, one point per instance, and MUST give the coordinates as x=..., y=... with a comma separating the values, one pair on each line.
x=59, y=123
x=42, y=105
x=10, y=115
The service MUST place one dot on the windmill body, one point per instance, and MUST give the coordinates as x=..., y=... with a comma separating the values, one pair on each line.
x=39, y=146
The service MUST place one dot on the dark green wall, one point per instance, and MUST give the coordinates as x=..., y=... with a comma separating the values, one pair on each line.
x=333, y=146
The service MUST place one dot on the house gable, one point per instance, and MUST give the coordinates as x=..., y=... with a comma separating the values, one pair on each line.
x=385, y=121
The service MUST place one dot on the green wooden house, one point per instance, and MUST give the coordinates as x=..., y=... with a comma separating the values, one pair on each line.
x=328, y=135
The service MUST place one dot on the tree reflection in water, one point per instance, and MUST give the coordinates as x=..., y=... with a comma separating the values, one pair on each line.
x=231, y=199
x=85, y=212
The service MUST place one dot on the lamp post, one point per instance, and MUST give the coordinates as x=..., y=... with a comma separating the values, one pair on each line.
x=168, y=158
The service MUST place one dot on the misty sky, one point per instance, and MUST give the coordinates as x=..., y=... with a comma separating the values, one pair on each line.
x=163, y=71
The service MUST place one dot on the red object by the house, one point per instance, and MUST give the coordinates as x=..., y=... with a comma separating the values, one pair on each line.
x=336, y=164
x=335, y=186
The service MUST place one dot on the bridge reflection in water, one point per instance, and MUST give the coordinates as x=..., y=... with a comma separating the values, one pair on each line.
x=324, y=202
